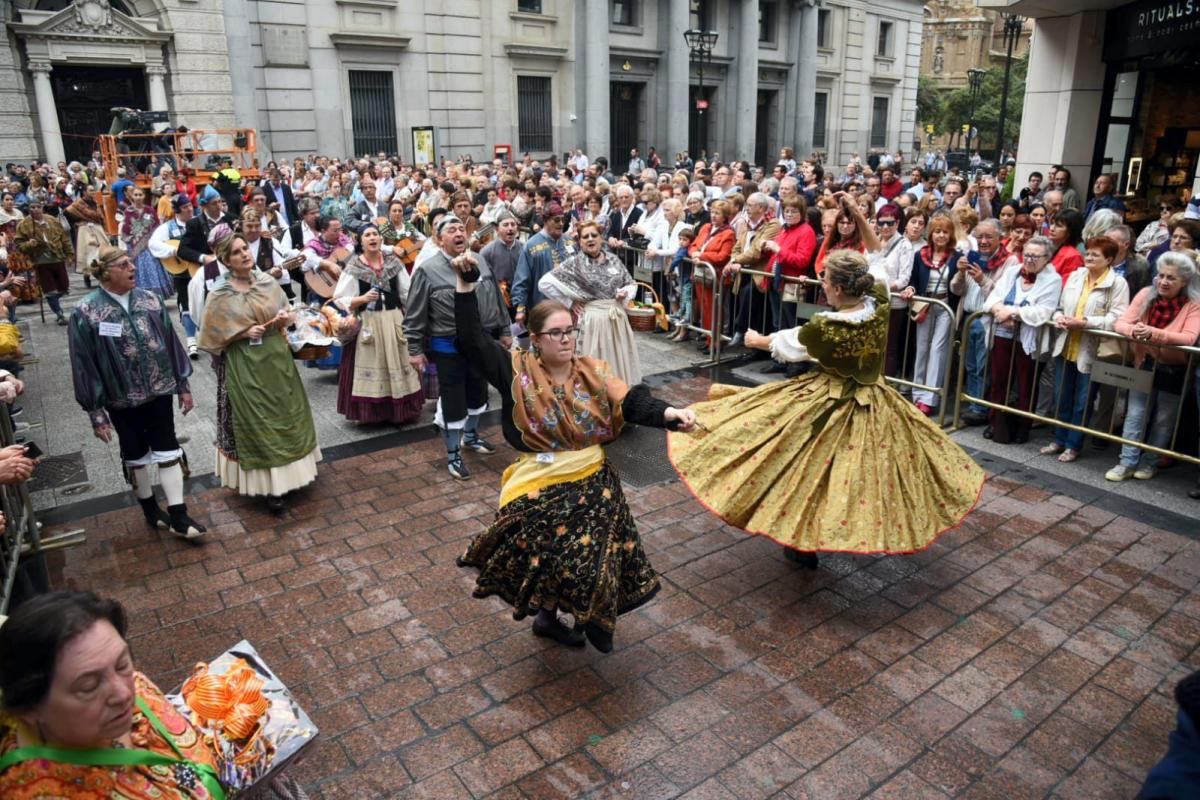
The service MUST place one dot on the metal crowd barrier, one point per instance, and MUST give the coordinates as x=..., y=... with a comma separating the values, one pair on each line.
x=1109, y=376
x=20, y=537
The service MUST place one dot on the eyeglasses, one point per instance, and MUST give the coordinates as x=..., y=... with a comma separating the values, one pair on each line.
x=886, y=223
x=1034, y=256
x=560, y=334
x=1166, y=208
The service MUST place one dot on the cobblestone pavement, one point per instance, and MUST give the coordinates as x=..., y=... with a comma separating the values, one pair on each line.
x=1030, y=653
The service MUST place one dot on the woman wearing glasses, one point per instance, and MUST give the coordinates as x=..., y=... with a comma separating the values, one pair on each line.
x=594, y=285
x=1159, y=230
x=1024, y=298
x=819, y=462
x=563, y=538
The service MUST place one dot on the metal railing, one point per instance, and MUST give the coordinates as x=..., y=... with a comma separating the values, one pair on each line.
x=20, y=536
x=1109, y=375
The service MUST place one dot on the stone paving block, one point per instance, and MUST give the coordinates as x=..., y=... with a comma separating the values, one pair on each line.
x=1030, y=653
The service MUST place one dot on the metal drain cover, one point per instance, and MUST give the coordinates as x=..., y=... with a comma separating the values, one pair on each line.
x=54, y=472
x=640, y=456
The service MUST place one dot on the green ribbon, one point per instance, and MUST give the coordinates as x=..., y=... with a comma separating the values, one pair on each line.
x=109, y=757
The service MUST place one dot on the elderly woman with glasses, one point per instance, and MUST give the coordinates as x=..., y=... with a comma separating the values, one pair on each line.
x=1165, y=313
x=563, y=538
x=595, y=286
x=1023, y=299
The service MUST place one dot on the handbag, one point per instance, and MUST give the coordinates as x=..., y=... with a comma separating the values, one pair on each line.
x=790, y=293
x=918, y=310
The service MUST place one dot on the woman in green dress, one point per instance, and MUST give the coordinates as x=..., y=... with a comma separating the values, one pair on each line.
x=266, y=443
x=834, y=460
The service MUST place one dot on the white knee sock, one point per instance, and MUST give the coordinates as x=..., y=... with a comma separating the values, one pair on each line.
x=143, y=486
x=171, y=479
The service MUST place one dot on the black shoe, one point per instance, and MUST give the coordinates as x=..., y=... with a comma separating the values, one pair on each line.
x=774, y=366
x=61, y=320
x=155, y=517
x=804, y=559
x=559, y=633
x=16, y=411
x=478, y=445
x=600, y=638
x=974, y=420
x=988, y=432
x=87, y=281
x=456, y=466
x=1021, y=437
x=1195, y=493
x=184, y=526
x=275, y=504
x=798, y=369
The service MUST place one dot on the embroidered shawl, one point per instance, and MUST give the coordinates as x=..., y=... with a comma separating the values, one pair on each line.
x=581, y=278
x=583, y=412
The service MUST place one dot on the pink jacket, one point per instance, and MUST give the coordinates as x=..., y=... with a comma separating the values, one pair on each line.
x=1183, y=330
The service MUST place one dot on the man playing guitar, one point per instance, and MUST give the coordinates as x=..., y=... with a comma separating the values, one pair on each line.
x=324, y=254
x=164, y=245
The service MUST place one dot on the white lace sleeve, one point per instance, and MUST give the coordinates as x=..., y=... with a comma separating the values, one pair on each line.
x=785, y=346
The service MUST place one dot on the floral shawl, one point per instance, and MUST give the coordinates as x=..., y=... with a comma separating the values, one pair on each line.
x=137, y=228
x=581, y=278
x=228, y=312
x=584, y=412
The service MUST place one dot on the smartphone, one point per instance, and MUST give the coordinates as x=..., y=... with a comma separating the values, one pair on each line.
x=32, y=451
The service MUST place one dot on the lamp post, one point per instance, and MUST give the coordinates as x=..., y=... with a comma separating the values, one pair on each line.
x=700, y=45
x=975, y=80
x=1013, y=25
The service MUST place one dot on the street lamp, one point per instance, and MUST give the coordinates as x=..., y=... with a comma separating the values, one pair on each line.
x=700, y=45
x=1013, y=25
x=975, y=79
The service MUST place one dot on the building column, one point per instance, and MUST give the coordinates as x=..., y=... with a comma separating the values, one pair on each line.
x=678, y=89
x=156, y=80
x=51, y=135
x=596, y=97
x=747, y=82
x=806, y=78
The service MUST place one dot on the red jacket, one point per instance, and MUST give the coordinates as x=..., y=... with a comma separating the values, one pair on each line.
x=891, y=190
x=715, y=248
x=797, y=246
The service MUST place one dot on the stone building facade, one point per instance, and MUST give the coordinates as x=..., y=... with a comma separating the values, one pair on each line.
x=544, y=76
x=64, y=64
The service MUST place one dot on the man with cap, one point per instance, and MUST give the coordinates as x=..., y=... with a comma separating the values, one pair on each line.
x=544, y=251
x=430, y=316
x=166, y=242
x=194, y=244
x=502, y=253
x=128, y=365
x=45, y=243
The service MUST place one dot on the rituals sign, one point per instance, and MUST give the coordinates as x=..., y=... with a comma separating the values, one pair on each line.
x=1149, y=27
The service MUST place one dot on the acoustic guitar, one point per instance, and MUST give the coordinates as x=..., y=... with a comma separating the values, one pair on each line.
x=176, y=265
x=319, y=282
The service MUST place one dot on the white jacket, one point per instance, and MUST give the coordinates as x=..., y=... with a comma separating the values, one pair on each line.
x=1041, y=300
x=1105, y=305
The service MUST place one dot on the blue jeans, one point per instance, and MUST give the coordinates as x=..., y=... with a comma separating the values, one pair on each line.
x=1165, y=406
x=685, y=300
x=976, y=366
x=1071, y=394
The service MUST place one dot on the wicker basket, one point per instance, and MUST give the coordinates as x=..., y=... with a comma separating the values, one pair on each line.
x=310, y=352
x=643, y=319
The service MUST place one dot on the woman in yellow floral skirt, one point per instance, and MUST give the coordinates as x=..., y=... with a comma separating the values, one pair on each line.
x=834, y=460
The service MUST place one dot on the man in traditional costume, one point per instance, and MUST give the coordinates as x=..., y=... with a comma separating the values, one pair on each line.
x=502, y=254
x=127, y=364
x=44, y=242
x=431, y=316
x=166, y=242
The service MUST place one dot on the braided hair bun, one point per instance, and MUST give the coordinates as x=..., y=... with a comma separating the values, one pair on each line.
x=847, y=270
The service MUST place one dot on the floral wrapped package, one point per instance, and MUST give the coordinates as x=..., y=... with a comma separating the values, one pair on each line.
x=255, y=725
